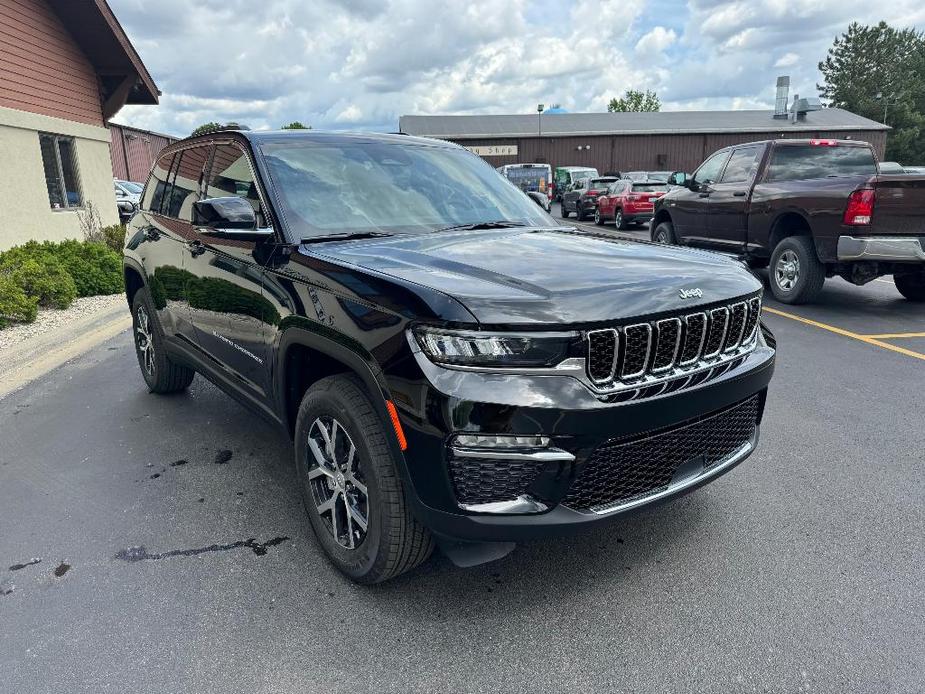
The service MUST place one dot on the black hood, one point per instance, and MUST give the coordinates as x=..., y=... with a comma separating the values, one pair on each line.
x=551, y=276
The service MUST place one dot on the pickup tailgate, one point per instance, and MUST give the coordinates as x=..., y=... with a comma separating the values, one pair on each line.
x=899, y=206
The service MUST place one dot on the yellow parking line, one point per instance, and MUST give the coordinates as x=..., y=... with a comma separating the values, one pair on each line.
x=893, y=336
x=847, y=333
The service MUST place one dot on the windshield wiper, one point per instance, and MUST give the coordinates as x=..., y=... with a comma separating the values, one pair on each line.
x=346, y=237
x=474, y=226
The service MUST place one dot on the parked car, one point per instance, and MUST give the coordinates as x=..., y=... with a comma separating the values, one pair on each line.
x=581, y=198
x=810, y=209
x=128, y=195
x=661, y=176
x=529, y=177
x=890, y=167
x=453, y=367
x=628, y=202
x=541, y=199
x=567, y=176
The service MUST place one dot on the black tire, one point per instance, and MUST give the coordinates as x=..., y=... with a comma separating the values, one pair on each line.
x=598, y=219
x=664, y=233
x=579, y=213
x=799, y=284
x=562, y=211
x=618, y=220
x=911, y=285
x=161, y=373
x=393, y=541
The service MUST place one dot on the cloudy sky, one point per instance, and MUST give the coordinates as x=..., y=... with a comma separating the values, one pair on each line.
x=360, y=64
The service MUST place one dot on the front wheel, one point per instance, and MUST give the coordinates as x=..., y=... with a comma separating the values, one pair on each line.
x=350, y=484
x=911, y=285
x=161, y=373
x=795, y=273
x=664, y=233
x=598, y=219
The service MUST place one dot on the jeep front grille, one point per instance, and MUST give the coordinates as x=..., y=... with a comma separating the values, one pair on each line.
x=673, y=352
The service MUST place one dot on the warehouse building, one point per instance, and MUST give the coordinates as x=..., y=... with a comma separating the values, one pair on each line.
x=661, y=141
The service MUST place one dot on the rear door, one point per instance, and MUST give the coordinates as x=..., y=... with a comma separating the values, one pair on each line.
x=729, y=199
x=689, y=207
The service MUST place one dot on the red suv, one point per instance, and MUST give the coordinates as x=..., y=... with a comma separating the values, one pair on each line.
x=628, y=202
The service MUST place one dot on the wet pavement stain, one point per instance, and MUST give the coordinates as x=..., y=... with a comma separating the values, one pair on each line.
x=154, y=476
x=6, y=588
x=178, y=463
x=61, y=569
x=31, y=562
x=223, y=456
x=139, y=553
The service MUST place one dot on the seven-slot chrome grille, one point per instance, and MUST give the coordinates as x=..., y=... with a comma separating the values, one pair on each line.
x=648, y=358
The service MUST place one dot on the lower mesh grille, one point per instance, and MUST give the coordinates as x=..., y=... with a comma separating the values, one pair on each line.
x=480, y=481
x=622, y=470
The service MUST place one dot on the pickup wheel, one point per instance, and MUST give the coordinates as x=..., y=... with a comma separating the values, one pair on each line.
x=795, y=273
x=664, y=233
x=161, y=373
x=350, y=484
x=911, y=285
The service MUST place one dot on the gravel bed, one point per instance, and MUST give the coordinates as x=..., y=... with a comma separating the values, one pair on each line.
x=51, y=318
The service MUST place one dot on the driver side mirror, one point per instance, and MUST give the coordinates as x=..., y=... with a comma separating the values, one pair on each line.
x=679, y=178
x=228, y=217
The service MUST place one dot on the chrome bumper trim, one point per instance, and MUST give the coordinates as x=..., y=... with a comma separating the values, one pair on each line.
x=522, y=504
x=891, y=248
x=543, y=455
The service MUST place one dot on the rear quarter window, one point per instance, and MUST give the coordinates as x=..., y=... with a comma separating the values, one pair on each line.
x=802, y=162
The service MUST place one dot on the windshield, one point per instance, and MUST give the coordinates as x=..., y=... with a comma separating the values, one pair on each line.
x=131, y=187
x=601, y=182
x=649, y=188
x=659, y=176
x=534, y=178
x=355, y=187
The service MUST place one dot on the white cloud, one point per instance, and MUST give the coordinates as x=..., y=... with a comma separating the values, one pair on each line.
x=363, y=63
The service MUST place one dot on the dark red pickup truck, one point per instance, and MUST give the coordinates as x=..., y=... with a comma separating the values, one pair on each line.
x=807, y=210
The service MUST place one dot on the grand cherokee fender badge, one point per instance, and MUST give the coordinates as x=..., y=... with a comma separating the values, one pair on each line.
x=695, y=293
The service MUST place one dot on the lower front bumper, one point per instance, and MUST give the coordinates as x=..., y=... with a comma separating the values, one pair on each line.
x=897, y=249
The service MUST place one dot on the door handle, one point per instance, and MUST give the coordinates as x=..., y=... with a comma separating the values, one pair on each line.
x=196, y=248
x=739, y=194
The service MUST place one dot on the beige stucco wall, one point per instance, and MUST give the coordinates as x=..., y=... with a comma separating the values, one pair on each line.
x=24, y=206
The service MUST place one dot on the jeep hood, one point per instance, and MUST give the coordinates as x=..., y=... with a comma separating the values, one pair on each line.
x=551, y=276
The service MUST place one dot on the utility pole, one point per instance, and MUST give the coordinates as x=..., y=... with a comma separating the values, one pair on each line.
x=539, y=119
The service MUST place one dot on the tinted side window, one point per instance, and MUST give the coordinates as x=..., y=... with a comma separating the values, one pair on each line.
x=799, y=162
x=742, y=165
x=157, y=184
x=187, y=182
x=710, y=169
x=231, y=175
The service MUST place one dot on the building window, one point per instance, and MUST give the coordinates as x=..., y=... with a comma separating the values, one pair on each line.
x=59, y=159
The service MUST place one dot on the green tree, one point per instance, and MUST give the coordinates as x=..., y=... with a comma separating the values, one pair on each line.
x=879, y=72
x=296, y=125
x=206, y=128
x=634, y=100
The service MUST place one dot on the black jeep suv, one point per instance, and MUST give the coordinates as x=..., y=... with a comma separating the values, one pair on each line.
x=453, y=367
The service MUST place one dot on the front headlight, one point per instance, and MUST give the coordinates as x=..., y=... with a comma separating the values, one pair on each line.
x=474, y=348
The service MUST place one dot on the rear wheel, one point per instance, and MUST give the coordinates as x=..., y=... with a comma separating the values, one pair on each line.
x=619, y=220
x=598, y=218
x=350, y=485
x=579, y=213
x=161, y=373
x=911, y=285
x=562, y=211
x=664, y=233
x=795, y=273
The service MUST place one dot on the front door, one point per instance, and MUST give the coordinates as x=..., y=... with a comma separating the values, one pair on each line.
x=227, y=306
x=729, y=198
x=689, y=207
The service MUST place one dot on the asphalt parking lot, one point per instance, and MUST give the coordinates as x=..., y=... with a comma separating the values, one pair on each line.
x=173, y=554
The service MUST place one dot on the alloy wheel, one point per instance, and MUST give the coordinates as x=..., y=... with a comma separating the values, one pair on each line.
x=597, y=216
x=144, y=339
x=787, y=270
x=618, y=219
x=338, y=487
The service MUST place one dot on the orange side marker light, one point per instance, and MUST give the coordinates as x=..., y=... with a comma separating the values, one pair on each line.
x=399, y=434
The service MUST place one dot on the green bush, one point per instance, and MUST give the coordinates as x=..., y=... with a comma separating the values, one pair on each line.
x=96, y=269
x=14, y=304
x=45, y=279
x=112, y=237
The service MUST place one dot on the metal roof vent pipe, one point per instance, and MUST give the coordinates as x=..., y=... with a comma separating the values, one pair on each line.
x=783, y=97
